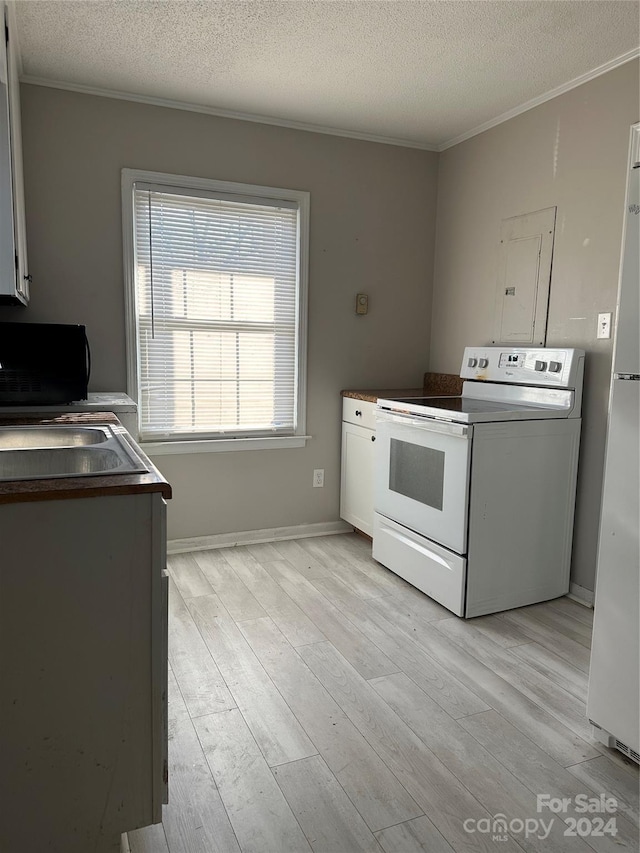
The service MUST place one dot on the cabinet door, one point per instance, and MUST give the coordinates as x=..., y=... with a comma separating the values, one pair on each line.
x=7, y=245
x=78, y=637
x=159, y=651
x=356, y=487
x=14, y=277
x=15, y=131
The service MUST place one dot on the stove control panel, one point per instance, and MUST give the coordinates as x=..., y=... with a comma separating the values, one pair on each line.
x=553, y=368
x=512, y=360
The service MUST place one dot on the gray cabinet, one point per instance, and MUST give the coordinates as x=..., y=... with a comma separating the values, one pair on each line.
x=83, y=667
x=14, y=274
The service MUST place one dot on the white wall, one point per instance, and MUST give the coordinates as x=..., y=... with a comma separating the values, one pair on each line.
x=372, y=231
x=570, y=152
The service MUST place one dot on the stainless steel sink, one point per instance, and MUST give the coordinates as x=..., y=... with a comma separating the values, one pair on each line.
x=65, y=450
x=51, y=436
x=38, y=463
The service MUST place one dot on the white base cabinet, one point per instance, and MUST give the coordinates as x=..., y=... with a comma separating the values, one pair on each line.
x=356, y=476
x=83, y=668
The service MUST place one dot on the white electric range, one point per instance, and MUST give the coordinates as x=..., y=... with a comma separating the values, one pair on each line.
x=474, y=495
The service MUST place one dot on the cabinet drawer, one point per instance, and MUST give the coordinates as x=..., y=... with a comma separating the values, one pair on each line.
x=359, y=412
x=434, y=570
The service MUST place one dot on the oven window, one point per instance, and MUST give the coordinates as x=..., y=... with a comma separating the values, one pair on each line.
x=417, y=472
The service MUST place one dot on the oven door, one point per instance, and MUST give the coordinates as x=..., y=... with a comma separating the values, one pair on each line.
x=422, y=476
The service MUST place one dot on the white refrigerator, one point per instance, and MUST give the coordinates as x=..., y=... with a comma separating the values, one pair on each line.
x=613, y=704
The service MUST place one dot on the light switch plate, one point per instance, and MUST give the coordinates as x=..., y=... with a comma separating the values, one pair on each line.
x=362, y=303
x=604, y=325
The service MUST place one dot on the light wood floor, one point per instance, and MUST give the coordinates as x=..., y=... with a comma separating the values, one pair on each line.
x=318, y=702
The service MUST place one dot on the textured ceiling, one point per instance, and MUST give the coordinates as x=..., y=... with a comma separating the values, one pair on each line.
x=425, y=71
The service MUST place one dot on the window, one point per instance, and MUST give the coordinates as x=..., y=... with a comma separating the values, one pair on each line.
x=216, y=310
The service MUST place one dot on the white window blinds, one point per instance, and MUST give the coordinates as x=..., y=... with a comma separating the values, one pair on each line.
x=217, y=297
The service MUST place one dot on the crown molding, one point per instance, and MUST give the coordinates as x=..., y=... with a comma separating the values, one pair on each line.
x=220, y=113
x=541, y=99
x=332, y=131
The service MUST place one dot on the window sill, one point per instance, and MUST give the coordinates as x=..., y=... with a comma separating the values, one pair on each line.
x=167, y=448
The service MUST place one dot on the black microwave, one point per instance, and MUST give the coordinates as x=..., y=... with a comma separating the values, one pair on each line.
x=43, y=363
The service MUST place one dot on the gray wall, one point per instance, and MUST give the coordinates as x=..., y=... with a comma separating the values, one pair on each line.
x=373, y=216
x=372, y=230
x=570, y=152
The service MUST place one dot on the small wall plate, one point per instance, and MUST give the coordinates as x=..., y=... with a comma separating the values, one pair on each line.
x=362, y=303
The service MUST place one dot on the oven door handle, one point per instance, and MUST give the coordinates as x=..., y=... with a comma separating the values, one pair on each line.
x=429, y=424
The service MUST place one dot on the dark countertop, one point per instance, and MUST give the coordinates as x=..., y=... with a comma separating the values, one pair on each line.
x=434, y=385
x=65, y=488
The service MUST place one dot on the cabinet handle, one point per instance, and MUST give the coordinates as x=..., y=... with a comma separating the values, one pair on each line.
x=358, y=414
x=373, y=438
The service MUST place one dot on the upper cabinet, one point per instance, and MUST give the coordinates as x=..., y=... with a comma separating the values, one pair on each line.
x=14, y=273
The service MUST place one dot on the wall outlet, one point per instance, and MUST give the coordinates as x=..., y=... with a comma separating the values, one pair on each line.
x=318, y=478
x=604, y=325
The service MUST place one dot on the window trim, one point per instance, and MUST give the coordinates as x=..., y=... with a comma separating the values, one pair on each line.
x=129, y=178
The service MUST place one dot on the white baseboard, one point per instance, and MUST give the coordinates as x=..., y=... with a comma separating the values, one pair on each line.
x=254, y=537
x=581, y=595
